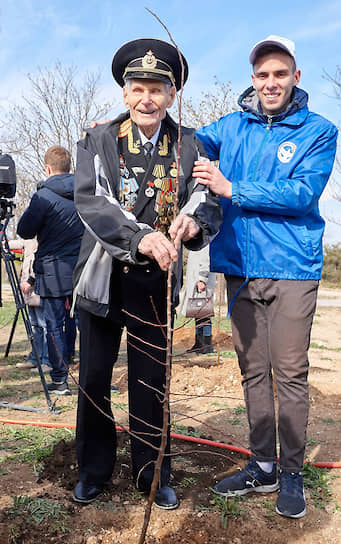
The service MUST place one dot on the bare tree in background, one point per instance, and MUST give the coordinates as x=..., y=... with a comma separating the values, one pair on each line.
x=55, y=109
x=213, y=104
x=335, y=181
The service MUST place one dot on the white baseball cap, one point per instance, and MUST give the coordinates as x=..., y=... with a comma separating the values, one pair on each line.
x=287, y=45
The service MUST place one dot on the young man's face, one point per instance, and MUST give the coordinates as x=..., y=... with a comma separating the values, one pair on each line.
x=274, y=78
x=148, y=100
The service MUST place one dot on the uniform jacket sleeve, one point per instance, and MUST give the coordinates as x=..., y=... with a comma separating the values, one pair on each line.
x=203, y=205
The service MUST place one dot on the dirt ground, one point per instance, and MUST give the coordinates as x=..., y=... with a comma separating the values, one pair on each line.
x=206, y=398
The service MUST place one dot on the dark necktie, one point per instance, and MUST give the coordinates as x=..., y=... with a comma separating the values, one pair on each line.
x=148, y=146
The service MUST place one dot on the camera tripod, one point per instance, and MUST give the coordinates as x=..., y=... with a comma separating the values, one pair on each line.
x=6, y=212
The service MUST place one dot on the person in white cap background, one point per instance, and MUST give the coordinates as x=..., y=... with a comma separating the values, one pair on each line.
x=275, y=158
x=125, y=195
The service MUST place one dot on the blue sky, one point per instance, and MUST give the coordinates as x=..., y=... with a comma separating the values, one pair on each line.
x=215, y=36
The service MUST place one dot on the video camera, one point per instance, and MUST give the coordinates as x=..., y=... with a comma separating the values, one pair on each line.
x=7, y=183
x=7, y=190
x=7, y=176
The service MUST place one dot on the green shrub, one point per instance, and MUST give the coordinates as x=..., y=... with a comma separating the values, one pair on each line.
x=331, y=271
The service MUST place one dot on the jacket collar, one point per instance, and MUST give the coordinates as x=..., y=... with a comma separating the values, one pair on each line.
x=295, y=114
x=61, y=184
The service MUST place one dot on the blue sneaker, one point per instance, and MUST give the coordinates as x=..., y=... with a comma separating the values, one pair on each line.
x=252, y=478
x=291, y=498
x=166, y=498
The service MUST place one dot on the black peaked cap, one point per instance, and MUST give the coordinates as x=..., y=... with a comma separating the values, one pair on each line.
x=148, y=58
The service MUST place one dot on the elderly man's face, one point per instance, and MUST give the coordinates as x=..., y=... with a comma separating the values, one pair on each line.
x=148, y=100
x=274, y=78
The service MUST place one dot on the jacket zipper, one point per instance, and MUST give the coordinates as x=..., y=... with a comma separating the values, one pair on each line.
x=269, y=122
x=268, y=127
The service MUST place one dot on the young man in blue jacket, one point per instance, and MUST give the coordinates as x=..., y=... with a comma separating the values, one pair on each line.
x=53, y=218
x=275, y=158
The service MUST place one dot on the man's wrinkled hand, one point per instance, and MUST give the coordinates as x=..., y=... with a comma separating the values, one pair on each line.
x=183, y=228
x=156, y=246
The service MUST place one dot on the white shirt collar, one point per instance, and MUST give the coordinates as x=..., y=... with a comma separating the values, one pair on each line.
x=153, y=139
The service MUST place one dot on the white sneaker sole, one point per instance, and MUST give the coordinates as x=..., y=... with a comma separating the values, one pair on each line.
x=56, y=392
x=294, y=516
x=259, y=489
x=167, y=507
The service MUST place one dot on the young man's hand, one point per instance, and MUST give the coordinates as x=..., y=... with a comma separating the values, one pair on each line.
x=209, y=175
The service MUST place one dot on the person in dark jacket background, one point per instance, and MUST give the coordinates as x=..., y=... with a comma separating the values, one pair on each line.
x=52, y=217
x=275, y=158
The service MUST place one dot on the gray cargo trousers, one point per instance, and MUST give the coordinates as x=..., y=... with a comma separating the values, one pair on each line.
x=271, y=326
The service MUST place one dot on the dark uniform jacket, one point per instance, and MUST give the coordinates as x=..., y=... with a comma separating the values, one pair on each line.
x=52, y=217
x=117, y=195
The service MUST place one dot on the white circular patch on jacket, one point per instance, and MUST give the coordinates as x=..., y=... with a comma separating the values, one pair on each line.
x=286, y=151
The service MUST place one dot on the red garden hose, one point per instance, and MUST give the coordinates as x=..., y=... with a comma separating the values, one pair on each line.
x=173, y=435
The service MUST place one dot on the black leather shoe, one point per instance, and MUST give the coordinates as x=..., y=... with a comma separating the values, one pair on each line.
x=165, y=498
x=86, y=493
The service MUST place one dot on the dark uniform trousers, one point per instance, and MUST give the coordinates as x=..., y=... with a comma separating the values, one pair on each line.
x=141, y=291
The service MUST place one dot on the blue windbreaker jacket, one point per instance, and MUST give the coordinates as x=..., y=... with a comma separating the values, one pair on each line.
x=278, y=167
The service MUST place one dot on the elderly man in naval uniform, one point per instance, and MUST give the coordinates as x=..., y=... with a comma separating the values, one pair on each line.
x=125, y=194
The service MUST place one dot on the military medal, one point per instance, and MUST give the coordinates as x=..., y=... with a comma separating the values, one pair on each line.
x=164, y=203
x=159, y=171
x=123, y=169
x=173, y=171
x=128, y=191
x=164, y=185
x=138, y=170
x=149, y=192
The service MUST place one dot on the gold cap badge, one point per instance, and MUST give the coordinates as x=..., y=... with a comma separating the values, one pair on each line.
x=149, y=60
